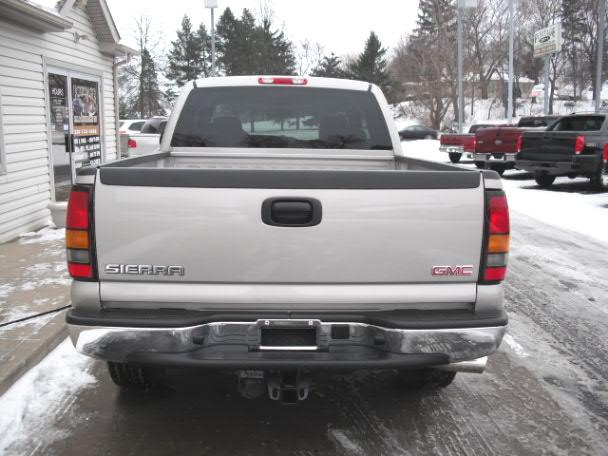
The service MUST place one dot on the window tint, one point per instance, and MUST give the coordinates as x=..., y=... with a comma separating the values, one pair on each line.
x=579, y=123
x=474, y=128
x=281, y=117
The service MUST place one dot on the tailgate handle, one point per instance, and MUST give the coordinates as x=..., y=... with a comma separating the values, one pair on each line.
x=291, y=212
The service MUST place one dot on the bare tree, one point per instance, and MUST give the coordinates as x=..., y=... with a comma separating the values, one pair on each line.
x=308, y=56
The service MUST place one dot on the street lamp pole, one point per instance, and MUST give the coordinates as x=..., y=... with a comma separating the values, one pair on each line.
x=511, y=39
x=460, y=71
x=212, y=4
x=600, y=54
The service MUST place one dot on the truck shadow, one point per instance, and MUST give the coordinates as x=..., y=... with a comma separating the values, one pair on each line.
x=354, y=414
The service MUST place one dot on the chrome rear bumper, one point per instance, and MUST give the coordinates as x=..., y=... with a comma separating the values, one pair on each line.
x=335, y=342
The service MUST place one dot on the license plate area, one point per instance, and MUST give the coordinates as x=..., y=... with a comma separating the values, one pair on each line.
x=299, y=335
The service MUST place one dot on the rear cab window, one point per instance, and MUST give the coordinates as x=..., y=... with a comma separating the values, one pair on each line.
x=580, y=123
x=281, y=117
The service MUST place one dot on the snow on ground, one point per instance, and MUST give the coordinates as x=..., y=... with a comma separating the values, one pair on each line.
x=49, y=233
x=576, y=209
x=34, y=403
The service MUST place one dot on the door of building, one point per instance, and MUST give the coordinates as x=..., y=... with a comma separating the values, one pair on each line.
x=76, y=127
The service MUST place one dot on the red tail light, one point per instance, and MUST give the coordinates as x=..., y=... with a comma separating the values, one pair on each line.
x=606, y=153
x=579, y=145
x=283, y=81
x=78, y=240
x=496, y=251
x=474, y=144
x=131, y=143
x=520, y=143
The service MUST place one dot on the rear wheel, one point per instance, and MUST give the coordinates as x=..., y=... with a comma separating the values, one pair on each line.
x=544, y=180
x=133, y=376
x=480, y=165
x=599, y=181
x=455, y=157
x=426, y=378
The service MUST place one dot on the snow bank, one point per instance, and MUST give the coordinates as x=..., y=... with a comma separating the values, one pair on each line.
x=585, y=213
x=47, y=234
x=31, y=406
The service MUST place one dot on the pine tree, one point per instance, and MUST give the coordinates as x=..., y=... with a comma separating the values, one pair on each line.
x=435, y=16
x=225, y=42
x=371, y=65
x=187, y=58
x=275, y=50
x=149, y=96
x=330, y=67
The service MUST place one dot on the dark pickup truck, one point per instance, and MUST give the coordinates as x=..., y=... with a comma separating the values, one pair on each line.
x=574, y=146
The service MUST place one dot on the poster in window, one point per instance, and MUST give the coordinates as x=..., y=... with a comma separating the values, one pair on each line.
x=59, y=107
x=85, y=118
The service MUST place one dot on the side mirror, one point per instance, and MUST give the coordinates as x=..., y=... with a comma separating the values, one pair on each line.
x=161, y=129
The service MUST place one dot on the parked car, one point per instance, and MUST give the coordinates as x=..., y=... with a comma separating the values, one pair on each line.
x=496, y=147
x=457, y=144
x=417, y=132
x=127, y=126
x=147, y=140
x=228, y=250
x=573, y=146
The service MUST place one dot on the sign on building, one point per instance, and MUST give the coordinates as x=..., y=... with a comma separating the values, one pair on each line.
x=548, y=40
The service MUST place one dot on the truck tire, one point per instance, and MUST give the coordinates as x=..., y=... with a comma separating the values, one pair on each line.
x=480, y=165
x=455, y=157
x=544, y=180
x=599, y=180
x=426, y=378
x=132, y=376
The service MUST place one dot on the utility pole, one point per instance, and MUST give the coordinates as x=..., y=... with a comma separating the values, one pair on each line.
x=546, y=83
x=511, y=45
x=460, y=70
x=212, y=4
x=600, y=54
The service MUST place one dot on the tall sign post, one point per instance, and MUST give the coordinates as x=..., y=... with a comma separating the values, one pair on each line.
x=461, y=6
x=600, y=54
x=212, y=4
x=547, y=41
x=511, y=46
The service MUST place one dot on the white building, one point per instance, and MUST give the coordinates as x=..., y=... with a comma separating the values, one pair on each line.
x=58, y=64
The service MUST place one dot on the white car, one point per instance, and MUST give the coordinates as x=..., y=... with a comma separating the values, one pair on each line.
x=147, y=140
x=131, y=125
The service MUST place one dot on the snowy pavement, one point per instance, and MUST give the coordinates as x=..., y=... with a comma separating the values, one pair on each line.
x=569, y=203
x=545, y=391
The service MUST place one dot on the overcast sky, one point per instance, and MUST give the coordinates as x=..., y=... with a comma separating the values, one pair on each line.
x=341, y=26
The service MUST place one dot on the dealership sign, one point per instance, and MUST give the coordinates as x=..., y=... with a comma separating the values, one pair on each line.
x=548, y=40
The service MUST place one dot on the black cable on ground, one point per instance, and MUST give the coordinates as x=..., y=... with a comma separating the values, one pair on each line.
x=2, y=325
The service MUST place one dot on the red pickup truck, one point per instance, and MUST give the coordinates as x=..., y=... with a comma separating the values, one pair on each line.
x=496, y=147
x=457, y=144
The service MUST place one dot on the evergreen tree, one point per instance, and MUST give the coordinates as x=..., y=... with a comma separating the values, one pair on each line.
x=274, y=50
x=371, y=65
x=225, y=39
x=244, y=47
x=149, y=96
x=188, y=58
x=330, y=67
x=435, y=17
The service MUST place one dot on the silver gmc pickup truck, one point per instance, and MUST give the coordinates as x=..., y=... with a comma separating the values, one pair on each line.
x=279, y=231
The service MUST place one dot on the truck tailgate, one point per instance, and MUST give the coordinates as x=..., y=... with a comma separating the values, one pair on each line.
x=376, y=227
